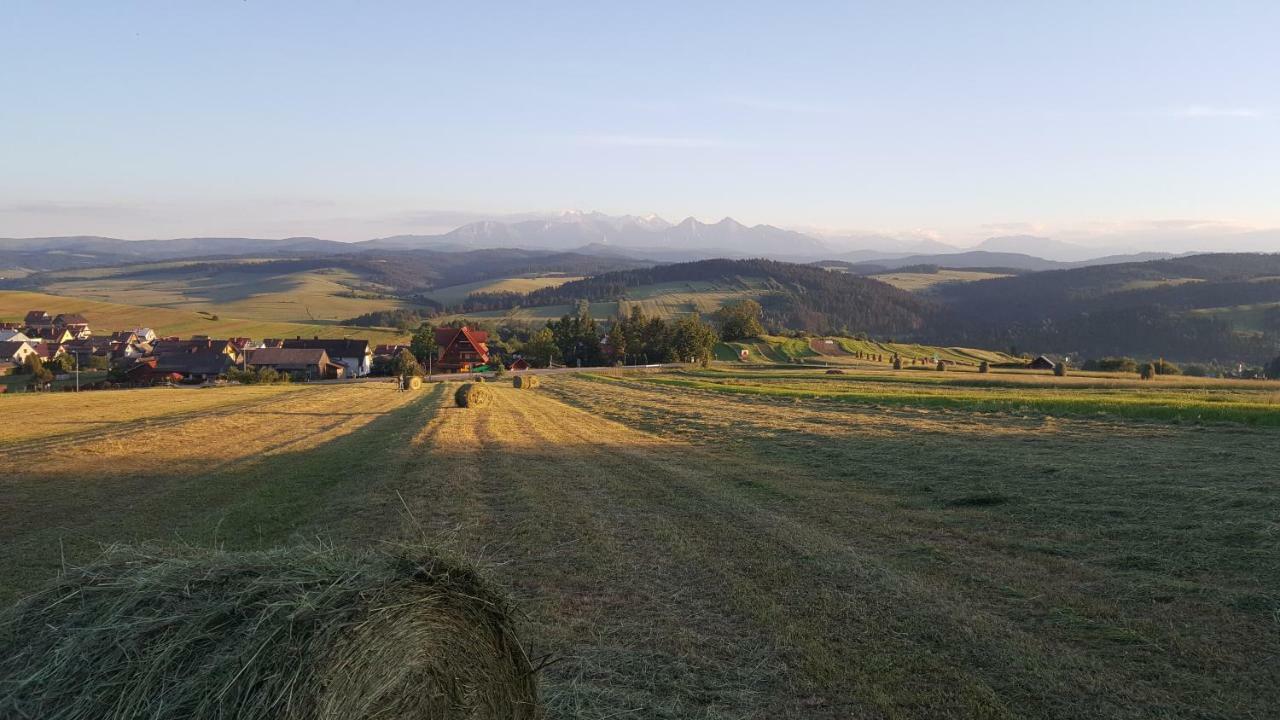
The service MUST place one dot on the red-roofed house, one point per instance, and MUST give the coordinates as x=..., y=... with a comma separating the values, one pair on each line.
x=461, y=349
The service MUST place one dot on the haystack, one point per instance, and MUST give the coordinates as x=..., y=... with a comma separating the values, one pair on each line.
x=525, y=382
x=472, y=395
x=293, y=634
x=415, y=382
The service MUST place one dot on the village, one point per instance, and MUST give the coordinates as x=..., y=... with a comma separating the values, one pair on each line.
x=45, y=349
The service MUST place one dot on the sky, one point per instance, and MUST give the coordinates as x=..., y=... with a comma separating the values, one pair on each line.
x=344, y=120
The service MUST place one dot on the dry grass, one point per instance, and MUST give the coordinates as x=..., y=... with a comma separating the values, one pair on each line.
x=923, y=281
x=106, y=316
x=686, y=553
x=286, y=634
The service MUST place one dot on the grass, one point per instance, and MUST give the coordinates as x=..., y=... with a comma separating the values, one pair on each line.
x=457, y=293
x=1258, y=405
x=106, y=316
x=313, y=296
x=916, y=282
x=688, y=552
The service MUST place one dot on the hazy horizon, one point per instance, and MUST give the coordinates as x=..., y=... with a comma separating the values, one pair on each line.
x=1151, y=126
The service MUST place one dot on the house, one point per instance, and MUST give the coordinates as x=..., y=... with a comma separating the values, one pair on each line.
x=9, y=335
x=1042, y=363
x=272, y=343
x=310, y=363
x=56, y=335
x=387, y=351
x=85, y=348
x=48, y=352
x=197, y=365
x=354, y=355
x=519, y=364
x=460, y=349
x=37, y=320
x=73, y=323
x=197, y=344
x=144, y=334
x=15, y=352
x=124, y=337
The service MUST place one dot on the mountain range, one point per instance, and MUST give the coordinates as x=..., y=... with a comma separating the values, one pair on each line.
x=641, y=237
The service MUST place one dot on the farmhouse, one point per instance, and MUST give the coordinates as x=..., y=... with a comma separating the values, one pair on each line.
x=55, y=335
x=1042, y=363
x=519, y=364
x=144, y=334
x=461, y=348
x=308, y=363
x=199, y=365
x=13, y=336
x=354, y=355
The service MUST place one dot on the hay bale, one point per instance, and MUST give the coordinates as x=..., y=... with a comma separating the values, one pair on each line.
x=415, y=382
x=525, y=382
x=290, y=634
x=472, y=395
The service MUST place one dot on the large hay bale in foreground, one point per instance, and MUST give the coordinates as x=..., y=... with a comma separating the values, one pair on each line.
x=415, y=382
x=525, y=382
x=472, y=395
x=298, y=634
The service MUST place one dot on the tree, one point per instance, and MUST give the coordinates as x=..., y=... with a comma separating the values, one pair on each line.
x=62, y=364
x=98, y=362
x=740, y=320
x=1273, y=369
x=34, y=367
x=618, y=340
x=577, y=337
x=423, y=345
x=405, y=364
x=693, y=340
x=540, y=349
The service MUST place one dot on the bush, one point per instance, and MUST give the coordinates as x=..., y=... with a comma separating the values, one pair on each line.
x=1196, y=371
x=498, y=369
x=472, y=395
x=285, y=634
x=1113, y=364
x=258, y=376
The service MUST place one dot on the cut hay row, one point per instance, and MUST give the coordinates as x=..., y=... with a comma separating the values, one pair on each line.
x=473, y=395
x=289, y=634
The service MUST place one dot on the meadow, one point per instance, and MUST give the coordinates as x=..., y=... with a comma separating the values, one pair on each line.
x=457, y=293
x=681, y=549
x=916, y=282
x=105, y=316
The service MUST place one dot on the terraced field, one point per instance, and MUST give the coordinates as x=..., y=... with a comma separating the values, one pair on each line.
x=683, y=551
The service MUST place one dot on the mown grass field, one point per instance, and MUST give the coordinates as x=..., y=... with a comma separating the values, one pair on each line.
x=107, y=316
x=844, y=351
x=690, y=552
x=916, y=282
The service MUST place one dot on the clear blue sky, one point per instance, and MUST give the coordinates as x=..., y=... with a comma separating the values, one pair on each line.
x=349, y=120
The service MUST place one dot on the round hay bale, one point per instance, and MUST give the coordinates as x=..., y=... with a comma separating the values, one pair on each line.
x=287, y=634
x=415, y=382
x=525, y=382
x=472, y=395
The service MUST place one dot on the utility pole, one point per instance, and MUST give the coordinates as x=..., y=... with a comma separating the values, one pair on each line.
x=77, y=357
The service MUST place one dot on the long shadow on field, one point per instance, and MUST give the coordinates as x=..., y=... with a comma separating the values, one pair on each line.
x=255, y=502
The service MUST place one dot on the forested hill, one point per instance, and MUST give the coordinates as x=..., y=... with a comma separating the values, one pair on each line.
x=1183, y=307
x=796, y=297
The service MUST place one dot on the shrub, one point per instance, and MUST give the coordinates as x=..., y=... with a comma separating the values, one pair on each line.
x=498, y=369
x=286, y=634
x=1113, y=364
x=472, y=395
x=1196, y=371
